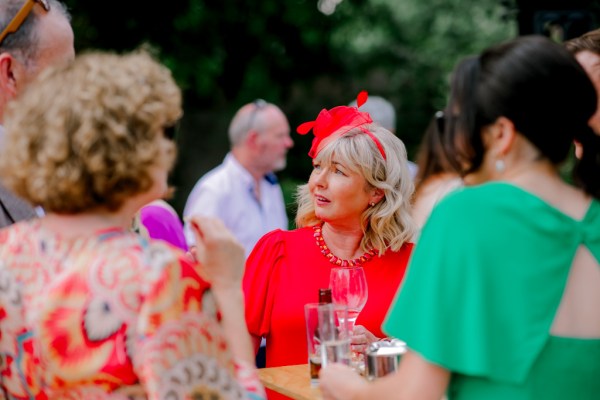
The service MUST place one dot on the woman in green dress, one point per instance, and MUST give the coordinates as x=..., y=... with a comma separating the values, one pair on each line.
x=502, y=296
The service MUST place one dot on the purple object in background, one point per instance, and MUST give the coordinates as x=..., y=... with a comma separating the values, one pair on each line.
x=162, y=222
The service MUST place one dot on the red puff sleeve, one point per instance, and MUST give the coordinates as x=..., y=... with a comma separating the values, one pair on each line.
x=260, y=281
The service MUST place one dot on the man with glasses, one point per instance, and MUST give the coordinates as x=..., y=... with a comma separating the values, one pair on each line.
x=243, y=190
x=34, y=34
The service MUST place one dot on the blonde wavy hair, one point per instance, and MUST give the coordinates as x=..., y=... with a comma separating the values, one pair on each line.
x=86, y=135
x=388, y=224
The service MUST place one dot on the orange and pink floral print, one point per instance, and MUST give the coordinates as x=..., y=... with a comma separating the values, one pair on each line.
x=109, y=316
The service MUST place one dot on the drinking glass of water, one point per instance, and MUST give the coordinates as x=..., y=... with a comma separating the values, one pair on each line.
x=334, y=333
x=349, y=289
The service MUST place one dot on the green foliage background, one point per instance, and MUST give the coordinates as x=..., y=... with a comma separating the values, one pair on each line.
x=225, y=53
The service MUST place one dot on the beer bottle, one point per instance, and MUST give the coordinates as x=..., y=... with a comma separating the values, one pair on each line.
x=324, y=296
x=315, y=361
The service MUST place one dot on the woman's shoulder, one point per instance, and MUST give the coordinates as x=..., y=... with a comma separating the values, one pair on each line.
x=501, y=200
x=20, y=239
x=279, y=244
x=21, y=228
x=150, y=258
x=291, y=236
x=160, y=252
x=484, y=198
x=400, y=255
x=471, y=209
x=162, y=205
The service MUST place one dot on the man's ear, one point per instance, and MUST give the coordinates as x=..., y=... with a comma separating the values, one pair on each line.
x=252, y=139
x=8, y=80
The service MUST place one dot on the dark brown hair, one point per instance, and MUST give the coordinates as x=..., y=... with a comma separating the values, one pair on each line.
x=589, y=41
x=544, y=91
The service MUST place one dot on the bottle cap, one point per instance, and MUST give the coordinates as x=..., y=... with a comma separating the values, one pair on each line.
x=324, y=295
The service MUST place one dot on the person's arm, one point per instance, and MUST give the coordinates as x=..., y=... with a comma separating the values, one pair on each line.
x=260, y=284
x=178, y=324
x=416, y=378
x=221, y=259
x=231, y=305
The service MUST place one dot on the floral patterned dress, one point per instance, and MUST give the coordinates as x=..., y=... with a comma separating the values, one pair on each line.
x=109, y=316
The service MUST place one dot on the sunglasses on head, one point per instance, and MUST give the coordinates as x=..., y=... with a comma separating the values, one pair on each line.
x=20, y=17
x=258, y=104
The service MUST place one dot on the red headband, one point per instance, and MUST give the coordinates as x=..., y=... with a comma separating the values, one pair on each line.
x=336, y=122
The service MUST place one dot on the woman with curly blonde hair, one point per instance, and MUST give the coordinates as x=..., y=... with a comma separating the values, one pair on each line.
x=354, y=210
x=90, y=309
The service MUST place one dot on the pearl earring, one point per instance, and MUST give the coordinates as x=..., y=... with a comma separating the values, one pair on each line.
x=372, y=204
x=500, y=165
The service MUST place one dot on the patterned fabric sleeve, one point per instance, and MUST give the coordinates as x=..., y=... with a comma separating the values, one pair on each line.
x=179, y=349
x=247, y=375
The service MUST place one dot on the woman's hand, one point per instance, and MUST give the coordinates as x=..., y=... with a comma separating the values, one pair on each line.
x=191, y=255
x=220, y=255
x=361, y=339
x=221, y=259
x=338, y=381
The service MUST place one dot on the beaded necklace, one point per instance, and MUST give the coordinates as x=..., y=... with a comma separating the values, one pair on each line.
x=368, y=255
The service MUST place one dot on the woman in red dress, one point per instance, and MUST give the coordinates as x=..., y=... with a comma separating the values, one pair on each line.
x=354, y=210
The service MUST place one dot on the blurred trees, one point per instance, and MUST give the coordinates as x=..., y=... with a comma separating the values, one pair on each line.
x=225, y=53
x=404, y=50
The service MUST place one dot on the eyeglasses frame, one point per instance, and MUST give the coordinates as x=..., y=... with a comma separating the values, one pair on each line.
x=20, y=17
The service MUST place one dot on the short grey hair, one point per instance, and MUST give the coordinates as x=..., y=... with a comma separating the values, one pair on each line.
x=23, y=44
x=381, y=111
x=251, y=116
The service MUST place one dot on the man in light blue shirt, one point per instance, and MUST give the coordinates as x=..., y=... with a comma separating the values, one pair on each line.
x=243, y=190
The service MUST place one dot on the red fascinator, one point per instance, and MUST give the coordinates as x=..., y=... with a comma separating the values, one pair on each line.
x=333, y=124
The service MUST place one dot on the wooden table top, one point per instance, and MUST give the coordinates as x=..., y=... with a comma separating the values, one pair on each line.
x=290, y=380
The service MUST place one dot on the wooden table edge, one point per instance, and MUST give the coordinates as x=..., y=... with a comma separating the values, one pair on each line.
x=295, y=376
